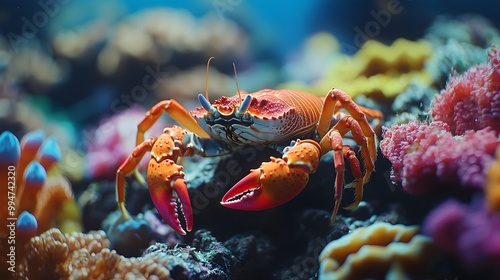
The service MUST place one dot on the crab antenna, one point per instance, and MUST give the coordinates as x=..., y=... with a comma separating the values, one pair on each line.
x=237, y=86
x=206, y=78
x=246, y=102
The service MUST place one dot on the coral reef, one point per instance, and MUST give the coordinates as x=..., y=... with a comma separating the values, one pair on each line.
x=412, y=104
x=459, y=43
x=468, y=232
x=471, y=101
x=373, y=252
x=317, y=53
x=36, y=192
x=454, y=56
x=38, y=188
x=112, y=141
x=376, y=70
x=452, y=153
x=465, y=114
x=54, y=255
x=206, y=259
x=86, y=72
x=252, y=252
x=31, y=67
x=471, y=29
x=127, y=237
x=427, y=157
x=153, y=36
x=492, y=189
x=87, y=256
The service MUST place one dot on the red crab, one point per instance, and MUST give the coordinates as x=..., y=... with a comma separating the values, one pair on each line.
x=268, y=117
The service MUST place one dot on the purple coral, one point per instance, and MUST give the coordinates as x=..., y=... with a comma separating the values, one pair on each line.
x=472, y=101
x=470, y=232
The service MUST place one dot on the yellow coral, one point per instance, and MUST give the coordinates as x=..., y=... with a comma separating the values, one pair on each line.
x=493, y=185
x=376, y=250
x=376, y=69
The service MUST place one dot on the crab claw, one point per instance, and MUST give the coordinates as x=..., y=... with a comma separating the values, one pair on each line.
x=166, y=203
x=277, y=181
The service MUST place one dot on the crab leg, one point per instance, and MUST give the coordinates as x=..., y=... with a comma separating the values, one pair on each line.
x=357, y=183
x=339, y=155
x=331, y=106
x=176, y=111
x=127, y=167
x=277, y=181
x=333, y=141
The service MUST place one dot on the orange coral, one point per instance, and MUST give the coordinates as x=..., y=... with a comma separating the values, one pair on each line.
x=54, y=255
x=493, y=185
x=38, y=188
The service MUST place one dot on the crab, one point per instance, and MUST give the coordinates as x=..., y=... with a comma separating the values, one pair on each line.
x=301, y=126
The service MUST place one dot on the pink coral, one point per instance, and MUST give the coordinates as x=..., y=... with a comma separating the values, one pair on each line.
x=402, y=139
x=472, y=101
x=457, y=146
x=427, y=156
x=470, y=232
x=113, y=141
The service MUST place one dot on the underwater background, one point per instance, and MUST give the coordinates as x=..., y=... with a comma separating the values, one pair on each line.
x=78, y=77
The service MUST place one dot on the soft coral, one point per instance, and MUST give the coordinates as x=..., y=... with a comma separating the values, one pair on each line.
x=472, y=101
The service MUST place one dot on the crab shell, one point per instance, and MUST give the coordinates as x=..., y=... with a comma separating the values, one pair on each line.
x=272, y=117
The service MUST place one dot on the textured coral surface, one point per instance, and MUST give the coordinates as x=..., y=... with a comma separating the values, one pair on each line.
x=471, y=101
x=427, y=157
x=471, y=233
x=373, y=252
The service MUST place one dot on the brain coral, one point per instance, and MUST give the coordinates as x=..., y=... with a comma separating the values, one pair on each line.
x=374, y=251
x=376, y=69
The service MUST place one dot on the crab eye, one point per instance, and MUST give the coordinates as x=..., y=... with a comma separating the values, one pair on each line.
x=205, y=103
x=244, y=106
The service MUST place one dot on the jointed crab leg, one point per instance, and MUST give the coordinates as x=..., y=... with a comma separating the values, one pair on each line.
x=127, y=167
x=280, y=180
x=331, y=106
x=357, y=183
x=334, y=139
x=176, y=111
